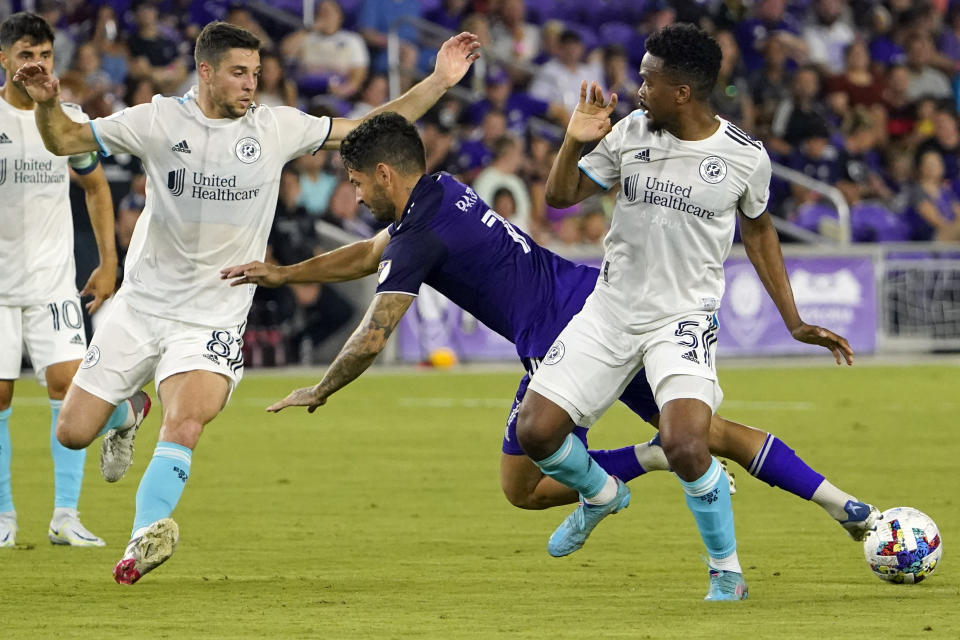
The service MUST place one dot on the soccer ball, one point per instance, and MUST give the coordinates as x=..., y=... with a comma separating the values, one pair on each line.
x=905, y=547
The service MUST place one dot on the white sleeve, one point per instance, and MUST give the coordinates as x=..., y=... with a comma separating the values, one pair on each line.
x=753, y=201
x=82, y=163
x=301, y=132
x=125, y=131
x=602, y=165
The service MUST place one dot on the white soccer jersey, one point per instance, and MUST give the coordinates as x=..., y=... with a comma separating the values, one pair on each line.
x=674, y=217
x=212, y=189
x=36, y=226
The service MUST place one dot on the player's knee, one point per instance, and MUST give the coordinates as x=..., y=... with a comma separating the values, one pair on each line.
x=183, y=430
x=679, y=448
x=69, y=437
x=520, y=496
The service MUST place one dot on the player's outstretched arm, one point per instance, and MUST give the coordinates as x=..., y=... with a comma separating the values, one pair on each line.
x=103, y=280
x=566, y=184
x=349, y=262
x=763, y=248
x=61, y=135
x=357, y=354
x=453, y=60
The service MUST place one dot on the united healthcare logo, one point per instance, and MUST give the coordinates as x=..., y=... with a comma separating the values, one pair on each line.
x=175, y=181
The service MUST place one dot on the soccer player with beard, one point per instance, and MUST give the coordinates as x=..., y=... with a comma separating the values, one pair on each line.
x=213, y=161
x=685, y=176
x=442, y=234
x=39, y=303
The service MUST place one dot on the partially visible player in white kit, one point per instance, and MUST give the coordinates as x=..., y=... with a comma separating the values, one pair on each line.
x=39, y=303
x=213, y=162
x=684, y=175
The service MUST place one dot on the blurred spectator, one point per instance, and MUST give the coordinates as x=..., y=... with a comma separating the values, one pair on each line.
x=153, y=56
x=949, y=42
x=815, y=156
x=901, y=111
x=827, y=34
x=514, y=39
x=344, y=211
x=374, y=22
x=593, y=228
x=87, y=72
x=618, y=78
x=329, y=58
x=860, y=164
x=935, y=210
x=898, y=176
x=64, y=44
x=274, y=88
x=800, y=114
x=316, y=183
x=518, y=106
x=558, y=80
x=106, y=39
x=768, y=18
x=769, y=85
x=375, y=92
x=885, y=51
x=731, y=95
x=857, y=85
x=436, y=131
x=240, y=16
x=945, y=142
x=925, y=80
x=477, y=151
x=550, y=33
x=502, y=174
x=447, y=14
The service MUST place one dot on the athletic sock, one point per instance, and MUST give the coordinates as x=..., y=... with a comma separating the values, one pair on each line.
x=162, y=484
x=779, y=466
x=708, y=498
x=833, y=500
x=67, y=465
x=622, y=462
x=121, y=418
x=6, y=494
x=572, y=465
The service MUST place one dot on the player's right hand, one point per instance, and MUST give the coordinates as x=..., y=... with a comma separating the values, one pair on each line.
x=40, y=85
x=258, y=273
x=591, y=119
x=306, y=397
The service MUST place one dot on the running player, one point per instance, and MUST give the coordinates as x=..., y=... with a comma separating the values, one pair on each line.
x=442, y=234
x=213, y=162
x=685, y=174
x=39, y=303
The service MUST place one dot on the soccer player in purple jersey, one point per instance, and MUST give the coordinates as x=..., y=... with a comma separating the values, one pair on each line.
x=443, y=235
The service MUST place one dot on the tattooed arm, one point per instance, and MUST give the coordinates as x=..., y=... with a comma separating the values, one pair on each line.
x=357, y=354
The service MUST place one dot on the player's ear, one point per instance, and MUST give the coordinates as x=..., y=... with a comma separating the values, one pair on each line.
x=382, y=173
x=683, y=94
x=205, y=70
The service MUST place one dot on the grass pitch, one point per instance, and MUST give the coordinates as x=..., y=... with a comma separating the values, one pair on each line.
x=380, y=516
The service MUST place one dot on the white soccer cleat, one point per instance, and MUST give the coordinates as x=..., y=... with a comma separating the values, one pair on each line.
x=730, y=478
x=147, y=551
x=67, y=529
x=8, y=529
x=861, y=519
x=116, y=451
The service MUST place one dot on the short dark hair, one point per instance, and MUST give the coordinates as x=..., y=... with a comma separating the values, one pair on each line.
x=219, y=37
x=386, y=137
x=689, y=54
x=25, y=25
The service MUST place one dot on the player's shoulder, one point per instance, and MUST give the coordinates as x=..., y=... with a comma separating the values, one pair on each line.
x=739, y=141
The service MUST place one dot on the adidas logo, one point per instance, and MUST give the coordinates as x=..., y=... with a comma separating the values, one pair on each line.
x=5, y=139
x=691, y=356
x=77, y=339
x=212, y=358
x=182, y=147
x=643, y=156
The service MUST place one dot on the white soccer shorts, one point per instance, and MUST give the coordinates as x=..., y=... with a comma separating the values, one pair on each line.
x=591, y=363
x=129, y=348
x=52, y=332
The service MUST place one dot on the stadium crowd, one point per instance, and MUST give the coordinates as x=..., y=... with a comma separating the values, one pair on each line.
x=861, y=95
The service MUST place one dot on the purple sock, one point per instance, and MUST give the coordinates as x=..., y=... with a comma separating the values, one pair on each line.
x=779, y=466
x=618, y=462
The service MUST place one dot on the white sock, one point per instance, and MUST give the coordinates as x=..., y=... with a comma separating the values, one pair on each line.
x=832, y=500
x=608, y=493
x=730, y=563
x=59, y=513
x=651, y=457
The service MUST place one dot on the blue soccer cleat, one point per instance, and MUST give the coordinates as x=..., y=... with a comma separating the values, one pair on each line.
x=861, y=519
x=726, y=585
x=574, y=531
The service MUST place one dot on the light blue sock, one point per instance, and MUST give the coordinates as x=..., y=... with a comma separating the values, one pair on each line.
x=162, y=483
x=67, y=465
x=573, y=466
x=117, y=419
x=6, y=495
x=709, y=499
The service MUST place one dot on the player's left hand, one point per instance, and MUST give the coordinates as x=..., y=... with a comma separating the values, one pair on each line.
x=306, y=397
x=100, y=285
x=455, y=57
x=838, y=346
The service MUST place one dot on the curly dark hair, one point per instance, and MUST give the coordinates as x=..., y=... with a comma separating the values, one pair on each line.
x=689, y=54
x=386, y=137
x=25, y=25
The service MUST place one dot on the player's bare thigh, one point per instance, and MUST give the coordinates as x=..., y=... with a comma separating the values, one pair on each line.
x=190, y=400
x=82, y=415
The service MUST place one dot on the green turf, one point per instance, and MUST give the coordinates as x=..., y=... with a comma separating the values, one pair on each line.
x=380, y=516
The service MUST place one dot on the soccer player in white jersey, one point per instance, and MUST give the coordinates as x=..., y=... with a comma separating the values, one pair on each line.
x=39, y=303
x=684, y=175
x=213, y=162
